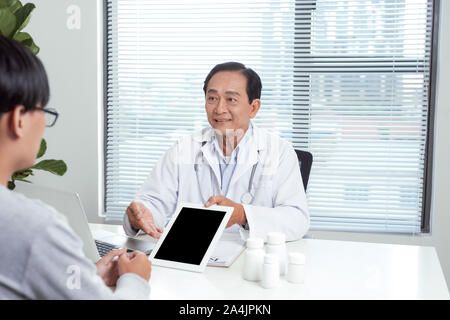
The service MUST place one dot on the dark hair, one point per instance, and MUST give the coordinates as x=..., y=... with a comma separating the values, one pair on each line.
x=23, y=80
x=254, y=85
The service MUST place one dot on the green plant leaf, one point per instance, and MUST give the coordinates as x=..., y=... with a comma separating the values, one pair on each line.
x=23, y=16
x=42, y=149
x=57, y=167
x=19, y=176
x=26, y=40
x=11, y=185
x=7, y=23
x=13, y=18
x=22, y=174
x=12, y=5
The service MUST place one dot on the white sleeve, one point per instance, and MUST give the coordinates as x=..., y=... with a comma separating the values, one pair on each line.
x=58, y=269
x=130, y=286
x=160, y=192
x=290, y=213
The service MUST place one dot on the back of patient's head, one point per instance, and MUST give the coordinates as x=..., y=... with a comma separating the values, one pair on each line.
x=23, y=80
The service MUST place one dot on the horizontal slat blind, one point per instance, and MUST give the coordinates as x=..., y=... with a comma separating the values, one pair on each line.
x=346, y=80
x=363, y=73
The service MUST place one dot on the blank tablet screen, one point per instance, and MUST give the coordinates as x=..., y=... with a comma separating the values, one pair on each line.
x=190, y=235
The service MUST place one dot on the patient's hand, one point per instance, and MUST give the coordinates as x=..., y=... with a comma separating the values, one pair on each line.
x=136, y=263
x=108, y=268
x=141, y=218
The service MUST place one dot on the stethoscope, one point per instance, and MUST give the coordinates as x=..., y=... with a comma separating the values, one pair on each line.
x=246, y=198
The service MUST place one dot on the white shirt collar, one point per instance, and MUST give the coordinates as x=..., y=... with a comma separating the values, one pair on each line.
x=233, y=158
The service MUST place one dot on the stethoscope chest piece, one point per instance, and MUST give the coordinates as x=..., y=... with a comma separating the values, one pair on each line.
x=246, y=198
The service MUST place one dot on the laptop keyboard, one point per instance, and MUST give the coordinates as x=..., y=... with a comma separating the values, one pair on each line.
x=104, y=248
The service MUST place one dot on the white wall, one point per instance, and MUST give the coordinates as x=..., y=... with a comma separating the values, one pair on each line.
x=73, y=59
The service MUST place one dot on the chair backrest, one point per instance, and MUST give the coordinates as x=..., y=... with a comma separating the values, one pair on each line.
x=305, y=159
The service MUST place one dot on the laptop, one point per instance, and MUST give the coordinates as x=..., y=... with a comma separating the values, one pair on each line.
x=69, y=204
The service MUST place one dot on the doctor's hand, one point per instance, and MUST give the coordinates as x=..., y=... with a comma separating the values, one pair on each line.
x=238, y=215
x=141, y=218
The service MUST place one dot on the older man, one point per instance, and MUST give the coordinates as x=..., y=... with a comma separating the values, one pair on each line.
x=232, y=163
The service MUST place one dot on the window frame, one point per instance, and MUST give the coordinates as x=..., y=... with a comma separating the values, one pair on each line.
x=425, y=227
x=426, y=218
x=429, y=149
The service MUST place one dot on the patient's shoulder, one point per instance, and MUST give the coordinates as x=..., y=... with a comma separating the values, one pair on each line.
x=19, y=211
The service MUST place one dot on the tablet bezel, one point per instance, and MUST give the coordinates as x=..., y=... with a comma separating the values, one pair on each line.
x=187, y=266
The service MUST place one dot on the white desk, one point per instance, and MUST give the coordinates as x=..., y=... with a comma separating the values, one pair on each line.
x=334, y=270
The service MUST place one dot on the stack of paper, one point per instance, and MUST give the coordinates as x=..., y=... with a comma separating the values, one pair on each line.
x=227, y=250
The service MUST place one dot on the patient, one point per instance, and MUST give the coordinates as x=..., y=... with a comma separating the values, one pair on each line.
x=41, y=257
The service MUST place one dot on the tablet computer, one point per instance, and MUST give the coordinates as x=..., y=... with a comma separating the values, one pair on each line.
x=189, y=238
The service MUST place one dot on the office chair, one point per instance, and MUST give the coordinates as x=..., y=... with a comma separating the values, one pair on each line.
x=305, y=160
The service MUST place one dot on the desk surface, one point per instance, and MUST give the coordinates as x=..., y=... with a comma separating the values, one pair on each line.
x=334, y=270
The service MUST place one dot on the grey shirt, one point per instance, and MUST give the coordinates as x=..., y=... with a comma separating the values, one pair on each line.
x=42, y=258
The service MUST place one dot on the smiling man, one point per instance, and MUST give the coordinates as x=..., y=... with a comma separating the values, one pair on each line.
x=232, y=163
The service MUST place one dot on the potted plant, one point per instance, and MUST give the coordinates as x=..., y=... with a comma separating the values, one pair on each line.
x=14, y=17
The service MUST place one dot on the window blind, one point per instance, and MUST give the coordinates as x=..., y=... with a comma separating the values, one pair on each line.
x=348, y=81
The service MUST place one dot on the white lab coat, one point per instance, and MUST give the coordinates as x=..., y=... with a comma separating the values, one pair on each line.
x=279, y=200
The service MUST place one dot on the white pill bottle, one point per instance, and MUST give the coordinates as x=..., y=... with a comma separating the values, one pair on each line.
x=271, y=271
x=296, y=267
x=276, y=244
x=254, y=259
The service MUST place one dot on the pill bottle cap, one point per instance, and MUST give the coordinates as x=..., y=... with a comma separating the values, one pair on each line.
x=296, y=258
x=255, y=243
x=270, y=258
x=276, y=238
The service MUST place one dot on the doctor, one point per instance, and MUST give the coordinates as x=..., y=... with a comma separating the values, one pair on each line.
x=232, y=163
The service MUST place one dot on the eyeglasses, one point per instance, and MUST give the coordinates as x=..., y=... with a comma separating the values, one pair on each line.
x=51, y=115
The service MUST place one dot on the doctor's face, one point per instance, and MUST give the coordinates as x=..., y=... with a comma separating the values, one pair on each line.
x=227, y=105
